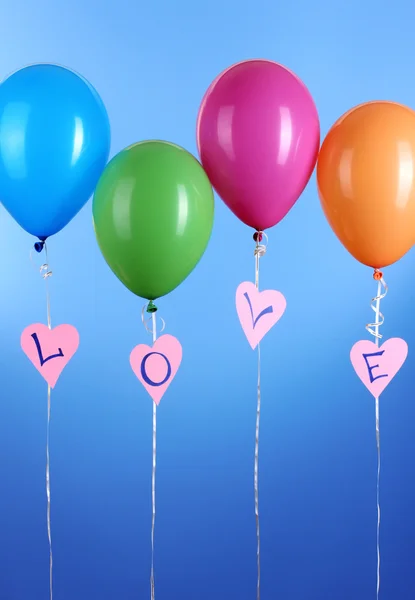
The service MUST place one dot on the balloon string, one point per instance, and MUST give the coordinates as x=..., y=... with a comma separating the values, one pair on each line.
x=373, y=329
x=260, y=250
x=45, y=274
x=153, y=474
x=48, y=501
x=150, y=325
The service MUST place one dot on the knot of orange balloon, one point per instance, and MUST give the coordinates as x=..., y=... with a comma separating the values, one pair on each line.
x=377, y=275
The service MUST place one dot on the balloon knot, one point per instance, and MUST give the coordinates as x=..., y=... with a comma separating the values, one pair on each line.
x=39, y=246
x=257, y=236
x=377, y=275
x=151, y=307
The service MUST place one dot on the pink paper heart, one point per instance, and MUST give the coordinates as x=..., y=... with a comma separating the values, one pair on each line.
x=50, y=350
x=157, y=366
x=376, y=367
x=258, y=311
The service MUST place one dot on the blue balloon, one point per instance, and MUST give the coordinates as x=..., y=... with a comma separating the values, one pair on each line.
x=54, y=145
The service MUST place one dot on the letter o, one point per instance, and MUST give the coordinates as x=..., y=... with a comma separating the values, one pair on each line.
x=144, y=375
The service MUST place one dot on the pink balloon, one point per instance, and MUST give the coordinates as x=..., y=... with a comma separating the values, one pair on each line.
x=258, y=136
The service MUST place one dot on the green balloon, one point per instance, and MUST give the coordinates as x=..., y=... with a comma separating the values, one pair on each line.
x=153, y=216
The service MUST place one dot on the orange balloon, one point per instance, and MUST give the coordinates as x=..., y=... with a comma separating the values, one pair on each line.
x=366, y=181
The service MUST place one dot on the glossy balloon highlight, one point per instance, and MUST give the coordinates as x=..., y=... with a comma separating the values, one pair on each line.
x=366, y=183
x=258, y=136
x=54, y=145
x=153, y=215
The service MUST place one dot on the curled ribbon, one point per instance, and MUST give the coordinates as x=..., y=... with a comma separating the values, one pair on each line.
x=259, y=252
x=149, y=322
x=373, y=329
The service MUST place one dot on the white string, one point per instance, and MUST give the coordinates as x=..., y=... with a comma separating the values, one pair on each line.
x=46, y=273
x=260, y=250
x=44, y=270
x=373, y=329
x=48, y=501
x=153, y=474
x=150, y=325
x=377, y=319
x=378, y=500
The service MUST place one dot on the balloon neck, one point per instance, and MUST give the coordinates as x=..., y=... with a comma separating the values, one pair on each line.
x=39, y=246
x=377, y=275
x=258, y=235
x=151, y=307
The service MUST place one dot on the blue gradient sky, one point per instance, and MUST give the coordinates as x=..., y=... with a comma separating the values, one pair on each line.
x=151, y=63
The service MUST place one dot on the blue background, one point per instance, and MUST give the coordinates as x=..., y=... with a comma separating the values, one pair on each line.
x=151, y=63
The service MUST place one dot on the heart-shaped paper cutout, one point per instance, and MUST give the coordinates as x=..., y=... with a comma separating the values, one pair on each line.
x=50, y=350
x=157, y=366
x=377, y=366
x=258, y=311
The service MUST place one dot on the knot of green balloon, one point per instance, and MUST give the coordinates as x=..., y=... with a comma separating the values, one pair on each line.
x=151, y=307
